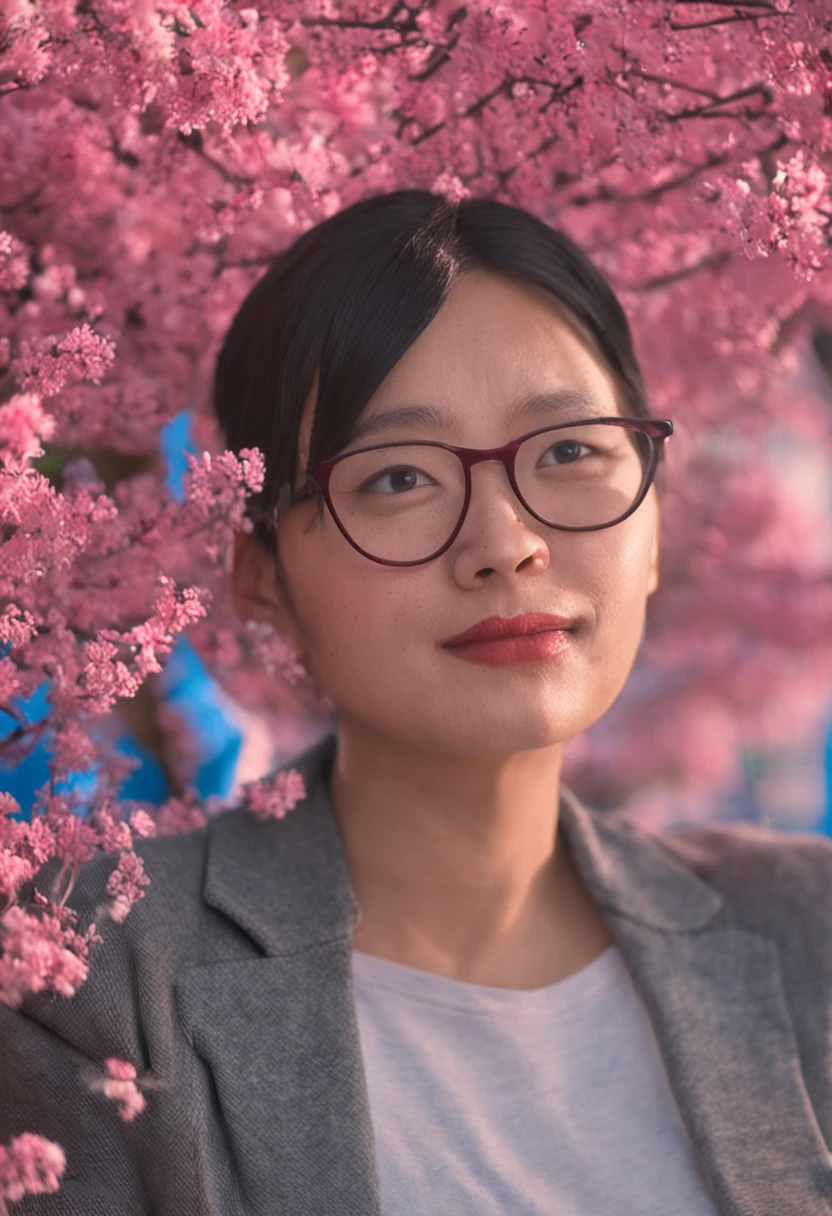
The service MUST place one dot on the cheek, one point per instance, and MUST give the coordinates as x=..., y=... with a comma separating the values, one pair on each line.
x=350, y=611
x=622, y=557
x=623, y=564
x=618, y=580
x=368, y=648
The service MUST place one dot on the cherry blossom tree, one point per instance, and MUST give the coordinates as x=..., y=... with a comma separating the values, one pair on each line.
x=155, y=156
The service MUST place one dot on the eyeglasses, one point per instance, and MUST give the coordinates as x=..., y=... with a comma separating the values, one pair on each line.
x=403, y=504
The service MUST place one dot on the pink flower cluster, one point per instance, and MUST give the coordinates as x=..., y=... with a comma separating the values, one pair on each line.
x=46, y=365
x=153, y=638
x=24, y=847
x=42, y=951
x=29, y=1165
x=216, y=489
x=120, y=1086
x=42, y=947
x=277, y=654
x=23, y=424
x=180, y=815
x=125, y=885
x=272, y=797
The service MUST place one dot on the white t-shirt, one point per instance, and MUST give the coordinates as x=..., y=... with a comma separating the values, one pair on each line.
x=499, y=1102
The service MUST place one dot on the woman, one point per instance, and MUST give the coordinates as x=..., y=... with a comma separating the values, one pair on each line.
x=442, y=984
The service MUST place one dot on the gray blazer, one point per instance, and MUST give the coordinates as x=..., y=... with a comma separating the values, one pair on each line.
x=231, y=982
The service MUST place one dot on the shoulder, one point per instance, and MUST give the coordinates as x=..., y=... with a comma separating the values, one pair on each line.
x=771, y=877
x=173, y=866
x=127, y=1000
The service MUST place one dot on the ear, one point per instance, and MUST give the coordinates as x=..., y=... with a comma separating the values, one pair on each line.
x=257, y=592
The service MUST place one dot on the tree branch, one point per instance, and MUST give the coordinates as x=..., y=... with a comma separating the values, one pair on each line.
x=444, y=51
x=712, y=262
x=504, y=87
x=676, y=84
x=703, y=25
x=381, y=23
x=703, y=110
x=764, y=5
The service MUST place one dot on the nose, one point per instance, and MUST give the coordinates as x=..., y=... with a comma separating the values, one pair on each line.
x=493, y=484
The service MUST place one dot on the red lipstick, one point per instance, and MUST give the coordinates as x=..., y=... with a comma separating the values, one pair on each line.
x=521, y=639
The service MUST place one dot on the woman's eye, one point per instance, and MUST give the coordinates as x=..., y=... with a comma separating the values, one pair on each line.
x=568, y=451
x=399, y=479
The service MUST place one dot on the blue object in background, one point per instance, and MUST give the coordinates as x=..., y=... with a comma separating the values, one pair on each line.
x=186, y=686
x=175, y=441
x=199, y=700
x=826, y=822
x=22, y=780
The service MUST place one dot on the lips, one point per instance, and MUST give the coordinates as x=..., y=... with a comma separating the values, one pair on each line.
x=495, y=627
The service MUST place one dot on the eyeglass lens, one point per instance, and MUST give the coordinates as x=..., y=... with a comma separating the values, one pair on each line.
x=402, y=503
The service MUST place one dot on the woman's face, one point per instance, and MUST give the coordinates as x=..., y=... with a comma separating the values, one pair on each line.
x=372, y=635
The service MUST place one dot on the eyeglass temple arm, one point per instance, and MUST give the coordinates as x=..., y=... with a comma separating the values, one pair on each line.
x=286, y=497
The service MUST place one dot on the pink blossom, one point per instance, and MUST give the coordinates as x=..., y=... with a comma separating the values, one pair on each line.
x=180, y=815
x=153, y=638
x=72, y=747
x=16, y=625
x=120, y=1086
x=105, y=677
x=76, y=839
x=45, y=366
x=273, y=796
x=14, y=262
x=125, y=885
x=9, y=680
x=142, y=823
x=114, y=834
x=120, y=1070
x=217, y=487
x=23, y=424
x=277, y=654
x=451, y=186
x=41, y=951
x=14, y=872
x=30, y=1165
x=24, y=847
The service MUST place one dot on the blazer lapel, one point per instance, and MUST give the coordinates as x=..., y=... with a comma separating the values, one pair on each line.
x=280, y=1038
x=715, y=998
x=279, y=1032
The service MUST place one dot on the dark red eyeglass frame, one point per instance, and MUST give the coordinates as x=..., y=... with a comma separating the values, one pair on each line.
x=657, y=430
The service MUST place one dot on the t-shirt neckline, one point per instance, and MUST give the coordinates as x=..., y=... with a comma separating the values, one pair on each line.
x=425, y=987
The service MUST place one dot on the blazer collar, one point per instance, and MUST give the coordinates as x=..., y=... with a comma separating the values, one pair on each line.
x=286, y=881
x=295, y=1104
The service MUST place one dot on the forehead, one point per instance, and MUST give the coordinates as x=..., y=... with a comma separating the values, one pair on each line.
x=493, y=339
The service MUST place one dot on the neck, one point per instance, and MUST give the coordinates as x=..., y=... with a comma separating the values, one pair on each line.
x=457, y=864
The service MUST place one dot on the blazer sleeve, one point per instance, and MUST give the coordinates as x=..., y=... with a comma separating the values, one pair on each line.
x=49, y=1049
x=43, y=1090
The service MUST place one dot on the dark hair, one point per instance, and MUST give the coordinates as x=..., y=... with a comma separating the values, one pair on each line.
x=349, y=297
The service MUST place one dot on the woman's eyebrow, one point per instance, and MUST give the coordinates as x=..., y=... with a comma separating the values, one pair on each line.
x=553, y=401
